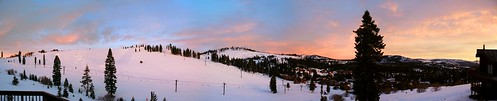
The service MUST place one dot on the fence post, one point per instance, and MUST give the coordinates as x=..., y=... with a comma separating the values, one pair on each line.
x=176, y=86
x=224, y=88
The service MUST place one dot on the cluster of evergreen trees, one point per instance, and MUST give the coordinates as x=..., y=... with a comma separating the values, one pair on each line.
x=224, y=59
x=186, y=53
x=191, y=53
x=151, y=48
x=174, y=50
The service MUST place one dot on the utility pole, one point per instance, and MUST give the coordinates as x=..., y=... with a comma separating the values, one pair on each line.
x=176, y=86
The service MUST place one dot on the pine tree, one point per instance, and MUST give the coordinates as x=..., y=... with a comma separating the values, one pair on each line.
x=2, y=55
x=312, y=86
x=133, y=98
x=71, y=89
x=86, y=80
x=35, y=60
x=56, y=71
x=110, y=74
x=43, y=59
x=58, y=92
x=153, y=97
x=328, y=88
x=160, y=48
x=272, y=84
x=19, y=57
x=15, y=81
x=164, y=99
x=368, y=45
x=23, y=75
x=65, y=94
x=80, y=99
x=66, y=84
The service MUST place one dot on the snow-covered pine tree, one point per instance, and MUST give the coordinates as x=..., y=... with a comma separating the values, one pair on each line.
x=110, y=74
x=56, y=71
x=86, y=80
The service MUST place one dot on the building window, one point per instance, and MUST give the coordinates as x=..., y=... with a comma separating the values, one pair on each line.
x=490, y=69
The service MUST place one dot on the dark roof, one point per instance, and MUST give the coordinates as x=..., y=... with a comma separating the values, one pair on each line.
x=489, y=54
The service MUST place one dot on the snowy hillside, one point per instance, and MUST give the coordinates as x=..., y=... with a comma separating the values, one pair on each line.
x=242, y=52
x=198, y=79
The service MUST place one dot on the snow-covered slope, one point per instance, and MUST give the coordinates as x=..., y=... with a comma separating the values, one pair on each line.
x=454, y=93
x=242, y=52
x=198, y=79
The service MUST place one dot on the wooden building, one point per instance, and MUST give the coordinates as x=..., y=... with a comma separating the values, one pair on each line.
x=484, y=77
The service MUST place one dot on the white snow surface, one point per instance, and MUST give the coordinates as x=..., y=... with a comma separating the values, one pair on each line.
x=197, y=79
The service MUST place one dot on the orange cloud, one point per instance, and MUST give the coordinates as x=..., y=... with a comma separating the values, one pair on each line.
x=392, y=7
x=455, y=35
x=65, y=39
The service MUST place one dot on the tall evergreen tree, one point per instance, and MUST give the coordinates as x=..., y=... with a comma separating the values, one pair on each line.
x=56, y=71
x=2, y=55
x=368, y=45
x=35, y=60
x=110, y=74
x=272, y=84
x=19, y=57
x=86, y=80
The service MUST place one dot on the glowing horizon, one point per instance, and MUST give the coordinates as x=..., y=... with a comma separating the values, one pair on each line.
x=416, y=29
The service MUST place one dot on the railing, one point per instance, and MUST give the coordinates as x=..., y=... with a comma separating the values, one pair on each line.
x=28, y=96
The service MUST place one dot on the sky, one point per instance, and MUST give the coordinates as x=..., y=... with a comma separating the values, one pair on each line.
x=413, y=28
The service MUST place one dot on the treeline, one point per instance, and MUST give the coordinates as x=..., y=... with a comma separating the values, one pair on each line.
x=173, y=49
x=297, y=70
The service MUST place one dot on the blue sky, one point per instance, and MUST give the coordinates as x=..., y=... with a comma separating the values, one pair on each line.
x=419, y=29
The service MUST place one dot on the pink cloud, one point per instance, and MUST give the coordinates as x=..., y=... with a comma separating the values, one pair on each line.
x=65, y=39
x=392, y=7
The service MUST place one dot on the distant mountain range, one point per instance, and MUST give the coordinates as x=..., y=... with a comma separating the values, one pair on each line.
x=243, y=52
